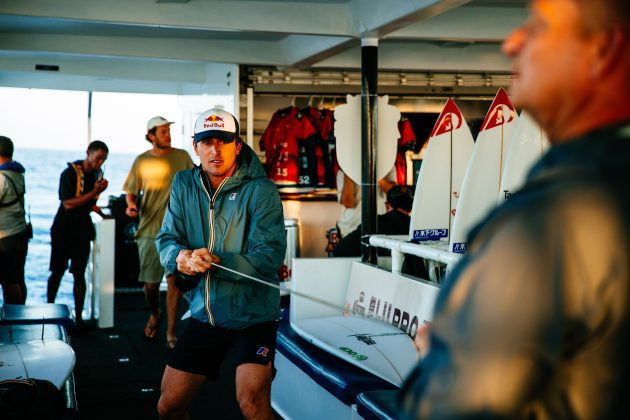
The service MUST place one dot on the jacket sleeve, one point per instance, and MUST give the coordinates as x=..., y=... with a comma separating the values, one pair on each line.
x=503, y=316
x=266, y=242
x=172, y=236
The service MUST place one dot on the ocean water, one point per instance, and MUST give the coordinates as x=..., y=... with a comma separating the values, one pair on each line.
x=43, y=168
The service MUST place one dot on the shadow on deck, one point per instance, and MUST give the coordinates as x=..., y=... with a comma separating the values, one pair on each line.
x=118, y=372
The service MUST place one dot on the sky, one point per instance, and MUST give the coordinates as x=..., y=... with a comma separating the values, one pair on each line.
x=58, y=119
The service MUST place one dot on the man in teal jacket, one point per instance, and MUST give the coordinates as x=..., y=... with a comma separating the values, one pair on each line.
x=227, y=212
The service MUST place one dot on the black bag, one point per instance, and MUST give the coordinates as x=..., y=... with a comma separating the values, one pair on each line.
x=29, y=229
x=30, y=399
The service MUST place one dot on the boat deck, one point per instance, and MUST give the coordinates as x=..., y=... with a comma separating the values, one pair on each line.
x=118, y=372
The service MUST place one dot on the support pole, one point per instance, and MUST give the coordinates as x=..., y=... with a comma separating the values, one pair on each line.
x=250, y=117
x=89, y=118
x=369, y=113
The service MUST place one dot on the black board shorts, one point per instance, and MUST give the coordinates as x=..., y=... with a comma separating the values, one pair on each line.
x=64, y=250
x=202, y=348
x=13, y=250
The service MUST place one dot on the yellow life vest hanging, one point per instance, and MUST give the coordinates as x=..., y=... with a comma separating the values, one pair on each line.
x=80, y=181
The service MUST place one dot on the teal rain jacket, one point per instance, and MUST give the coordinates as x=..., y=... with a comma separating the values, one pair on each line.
x=243, y=224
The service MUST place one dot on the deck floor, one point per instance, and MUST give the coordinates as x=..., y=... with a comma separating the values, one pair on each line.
x=118, y=372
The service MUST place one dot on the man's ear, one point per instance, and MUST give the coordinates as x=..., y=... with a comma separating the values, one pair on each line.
x=239, y=145
x=194, y=144
x=611, y=46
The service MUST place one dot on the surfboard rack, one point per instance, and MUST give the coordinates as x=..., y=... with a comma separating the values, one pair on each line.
x=400, y=246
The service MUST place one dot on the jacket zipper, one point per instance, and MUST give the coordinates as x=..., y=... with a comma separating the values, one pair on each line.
x=212, y=199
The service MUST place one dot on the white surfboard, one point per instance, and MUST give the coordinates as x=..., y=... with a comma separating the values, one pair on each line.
x=482, y=180
x=387, y=311
x=348, y=135
x=49, y=359
x=440, y=179
x=527, y=146
x=375, y=346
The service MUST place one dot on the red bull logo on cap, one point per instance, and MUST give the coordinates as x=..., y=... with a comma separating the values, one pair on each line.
x=214, y=117
x=213, y=121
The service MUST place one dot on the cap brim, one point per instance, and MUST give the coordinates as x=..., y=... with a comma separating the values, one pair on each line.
x=219, y=134
x=160, y=125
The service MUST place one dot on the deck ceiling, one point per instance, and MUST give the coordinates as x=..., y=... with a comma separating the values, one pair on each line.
x=184, y=39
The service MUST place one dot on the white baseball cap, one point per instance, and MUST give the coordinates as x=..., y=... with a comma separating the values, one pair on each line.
x=217, y=123
x=157, y=122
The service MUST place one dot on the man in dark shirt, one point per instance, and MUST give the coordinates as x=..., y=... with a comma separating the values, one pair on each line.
x=533, y=322
x=72, y=230
x=394, y=222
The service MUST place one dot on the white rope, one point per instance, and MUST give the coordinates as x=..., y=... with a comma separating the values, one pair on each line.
x=291, y=291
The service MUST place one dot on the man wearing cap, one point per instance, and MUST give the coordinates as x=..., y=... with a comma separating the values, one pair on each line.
x=224, y=212
x=150, y=179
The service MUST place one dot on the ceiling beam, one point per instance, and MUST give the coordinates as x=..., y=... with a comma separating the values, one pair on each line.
x=303, y=51
x=377, y=17
x=401, y=55
x=486, y=24
x=223, y=51
x=247, y=16
x=116, y=74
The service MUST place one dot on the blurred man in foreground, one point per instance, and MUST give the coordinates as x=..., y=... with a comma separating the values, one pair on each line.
x=533, y=323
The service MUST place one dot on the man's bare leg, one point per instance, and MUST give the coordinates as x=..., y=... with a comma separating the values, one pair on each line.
x=253, y=390
x=179, y=390
x=78, y=290
x=53, y=286
x=173, y=299
x=152, y=295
